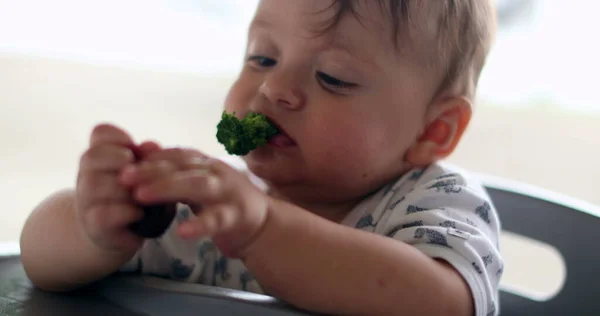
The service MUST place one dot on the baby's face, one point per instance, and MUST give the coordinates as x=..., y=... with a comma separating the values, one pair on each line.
x=349, y=104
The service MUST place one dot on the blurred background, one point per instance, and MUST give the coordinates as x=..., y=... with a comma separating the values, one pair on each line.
x=161, y=68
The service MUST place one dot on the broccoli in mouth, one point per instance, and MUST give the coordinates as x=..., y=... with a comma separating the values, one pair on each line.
x=242, y=136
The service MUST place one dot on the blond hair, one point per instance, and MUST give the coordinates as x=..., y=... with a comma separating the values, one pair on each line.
x=464, y=33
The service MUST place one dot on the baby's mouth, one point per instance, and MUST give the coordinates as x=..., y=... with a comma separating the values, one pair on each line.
x=281, y=139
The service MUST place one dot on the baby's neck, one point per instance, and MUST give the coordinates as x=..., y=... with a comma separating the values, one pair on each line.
x=335, y=212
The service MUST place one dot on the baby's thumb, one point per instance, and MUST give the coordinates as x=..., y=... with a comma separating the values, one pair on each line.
x=146, y=148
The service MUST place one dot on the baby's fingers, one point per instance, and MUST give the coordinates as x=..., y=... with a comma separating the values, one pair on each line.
x=99, y=189
x=152, y=171
x=109, y=134
x=108, y=226
x=110, y=217
x=214, y=220
x=146, y=172
x=148, y=147
x=195, y=186
x=105, y=158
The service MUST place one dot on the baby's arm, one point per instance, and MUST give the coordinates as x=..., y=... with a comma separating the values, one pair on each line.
x=439, y=255
x=56, y=253
x=79, y=236
x=326, y=267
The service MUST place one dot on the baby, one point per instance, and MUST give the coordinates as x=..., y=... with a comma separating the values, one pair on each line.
x=347, y=211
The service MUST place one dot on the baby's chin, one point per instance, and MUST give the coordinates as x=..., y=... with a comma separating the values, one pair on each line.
x=291, y=176
x=272, y=167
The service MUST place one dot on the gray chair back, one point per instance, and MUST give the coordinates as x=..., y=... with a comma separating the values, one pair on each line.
x=573, y=228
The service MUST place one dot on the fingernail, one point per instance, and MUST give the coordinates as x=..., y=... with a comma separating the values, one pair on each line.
x=212, y=183
x=129, y=169
x=126, y=174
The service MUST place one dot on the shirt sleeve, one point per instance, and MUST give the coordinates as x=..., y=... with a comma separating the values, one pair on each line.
x=447, y=217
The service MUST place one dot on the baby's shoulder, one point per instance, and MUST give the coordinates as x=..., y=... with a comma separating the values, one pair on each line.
x=444, y=181
x=442, y=191
x=449, y=179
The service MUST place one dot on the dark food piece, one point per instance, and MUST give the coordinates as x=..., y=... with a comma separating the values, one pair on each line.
x=157, y=218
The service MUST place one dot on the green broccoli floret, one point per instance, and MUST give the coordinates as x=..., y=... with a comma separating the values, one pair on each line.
x=242, y=136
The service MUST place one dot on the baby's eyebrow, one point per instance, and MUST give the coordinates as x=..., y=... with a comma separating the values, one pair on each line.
x=337, y=42
x=354, y=51
x=260, y=23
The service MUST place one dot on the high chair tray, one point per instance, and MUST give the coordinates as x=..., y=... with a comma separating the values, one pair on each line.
x=128, y=296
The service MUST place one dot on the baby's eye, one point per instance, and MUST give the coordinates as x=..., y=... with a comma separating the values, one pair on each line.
x=262, y=61
x=334, y=83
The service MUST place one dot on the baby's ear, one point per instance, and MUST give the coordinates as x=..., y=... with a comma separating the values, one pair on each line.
x=444, y=127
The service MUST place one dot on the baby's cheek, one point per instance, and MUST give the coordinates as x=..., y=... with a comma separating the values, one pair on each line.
x=236, y=101
x=347, y=166
x=342, y=150
x=241, y=94
x=364, y=147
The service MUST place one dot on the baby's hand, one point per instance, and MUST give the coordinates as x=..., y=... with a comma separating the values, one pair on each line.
x=229, y=208
x=104, y=206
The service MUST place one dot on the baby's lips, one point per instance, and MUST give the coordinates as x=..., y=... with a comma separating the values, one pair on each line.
x=281, y=140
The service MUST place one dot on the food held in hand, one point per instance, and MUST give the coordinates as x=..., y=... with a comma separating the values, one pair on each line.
x=157, y=218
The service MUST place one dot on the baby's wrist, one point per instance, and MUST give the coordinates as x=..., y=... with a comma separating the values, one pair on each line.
x=240, y=242
x=95, y=251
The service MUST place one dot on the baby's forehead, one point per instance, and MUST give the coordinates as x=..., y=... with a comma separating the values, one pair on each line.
x=449, y=39
x=368, y=26
x=401, y=38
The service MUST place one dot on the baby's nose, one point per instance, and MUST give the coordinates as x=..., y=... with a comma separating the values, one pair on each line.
x=284, y=91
